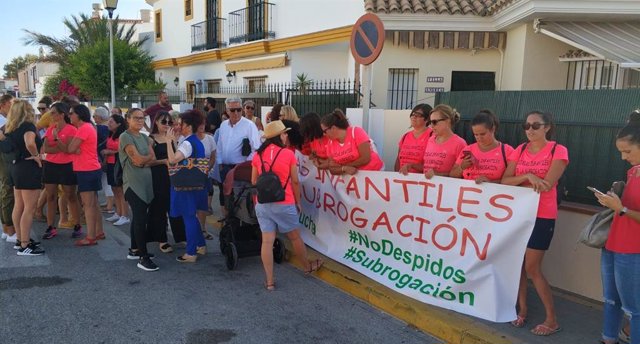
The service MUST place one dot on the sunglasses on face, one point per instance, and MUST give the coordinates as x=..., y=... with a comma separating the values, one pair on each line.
x=435, y=121
x=249, y=107
x=534, y=125
x=41, y=108
x=166, y=122
x=235, y=110
x=416, y=114
x=137, y=118
x=324, y=131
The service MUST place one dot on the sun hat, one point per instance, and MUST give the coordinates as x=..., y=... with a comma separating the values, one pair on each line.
x=274, y=129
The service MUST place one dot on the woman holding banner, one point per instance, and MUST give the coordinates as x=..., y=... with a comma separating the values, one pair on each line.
x=620, y=260
x=413, y=143
x=444, y=145
x=349, y=149
x=314, y=140
x=538, y=164
x=485, y=160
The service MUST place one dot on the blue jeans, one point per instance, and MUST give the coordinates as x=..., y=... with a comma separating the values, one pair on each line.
x=621, y=291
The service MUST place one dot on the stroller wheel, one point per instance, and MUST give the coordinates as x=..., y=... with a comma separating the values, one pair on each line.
x=222, y=239
x=231, y=256
x=278, y=251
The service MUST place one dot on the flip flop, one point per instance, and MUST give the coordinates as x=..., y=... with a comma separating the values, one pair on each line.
x=101, y=236
x=86, y=242
x=314, y=265
x=519, y=322
x=544, y=330
x=270, y=287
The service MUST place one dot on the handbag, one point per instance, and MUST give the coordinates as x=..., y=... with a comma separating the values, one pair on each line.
x=190, y=174
x=596, y=231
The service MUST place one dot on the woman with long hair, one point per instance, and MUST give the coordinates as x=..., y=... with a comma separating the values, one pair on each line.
x=135, y=153
x=26, y=172
x=538, y=164
x=444, y=145
x=159, y=207
x=116, y=125
x=350, y=149
x=413, y=143
x=620, y=259
x=88, y=172
x=486, y=159
x=314, y=140
x=187, y=203
x=58, y=168
x=279, y=216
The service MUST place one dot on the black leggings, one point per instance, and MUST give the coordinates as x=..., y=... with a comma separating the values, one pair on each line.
x=139, y=216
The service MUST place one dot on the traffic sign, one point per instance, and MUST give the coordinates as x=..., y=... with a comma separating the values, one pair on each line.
x=367, y=39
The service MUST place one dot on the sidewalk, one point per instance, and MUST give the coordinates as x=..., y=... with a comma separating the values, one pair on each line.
x=579, y=318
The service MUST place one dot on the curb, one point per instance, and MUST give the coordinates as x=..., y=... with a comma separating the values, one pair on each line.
x=449, y=326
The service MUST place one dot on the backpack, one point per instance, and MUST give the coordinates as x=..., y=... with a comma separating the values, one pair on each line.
x=561, y=189
x=268, y=185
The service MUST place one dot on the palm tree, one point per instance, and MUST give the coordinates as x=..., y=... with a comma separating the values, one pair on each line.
x=85, y=31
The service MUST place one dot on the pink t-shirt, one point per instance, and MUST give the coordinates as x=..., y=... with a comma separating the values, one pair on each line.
x=282, y=167
x=87, y=160
x=490, y=164
x=112, y=145
x=411, y=149
x=539, y=164
x=319, y=146
x=65, y=135
x=346, y=152
x=441, y=156
x=624, y=236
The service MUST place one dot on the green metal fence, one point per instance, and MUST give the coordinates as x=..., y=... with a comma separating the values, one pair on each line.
x=587, y=122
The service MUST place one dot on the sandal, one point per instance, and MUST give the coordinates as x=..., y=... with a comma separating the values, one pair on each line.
x=270, y=287
x=186, y=258
x=544, y=330
x=86, y=241
x=314, y=265
x=207, y=235
x=519, y=322
x=101, y=236
x=202, y=250
x=166, y=248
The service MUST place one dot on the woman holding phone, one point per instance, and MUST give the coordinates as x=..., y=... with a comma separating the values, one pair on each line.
x=486, y=159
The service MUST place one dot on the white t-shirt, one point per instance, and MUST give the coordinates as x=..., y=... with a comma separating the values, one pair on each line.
x=209, y=145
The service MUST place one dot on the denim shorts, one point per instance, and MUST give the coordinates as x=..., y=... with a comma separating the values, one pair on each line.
x=542, y=234
x=274, y=216
x=89, y=180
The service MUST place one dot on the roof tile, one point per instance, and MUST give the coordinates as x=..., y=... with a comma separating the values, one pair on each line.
x=459, y=7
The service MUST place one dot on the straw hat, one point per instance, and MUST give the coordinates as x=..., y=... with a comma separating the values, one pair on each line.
x=274, y=129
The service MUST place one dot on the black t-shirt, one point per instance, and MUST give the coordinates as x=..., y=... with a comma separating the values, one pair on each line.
x=213, y=118
x=17, y=137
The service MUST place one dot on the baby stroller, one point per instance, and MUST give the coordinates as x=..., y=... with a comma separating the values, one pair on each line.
x=240, y=235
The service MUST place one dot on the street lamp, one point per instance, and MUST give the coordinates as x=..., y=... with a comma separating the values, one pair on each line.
x=110, y=6
x=176, y=81
x=230, y=76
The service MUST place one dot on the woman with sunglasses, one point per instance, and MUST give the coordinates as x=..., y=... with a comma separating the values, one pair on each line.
x=486, y=159
x=413, y=143
x=116, y=125
x=349, y=149
x=159, y=207
x=249, y=110
x=444, y=145
x=88, y=172
x=538, y=164
x=58, y=168
x=314, y=140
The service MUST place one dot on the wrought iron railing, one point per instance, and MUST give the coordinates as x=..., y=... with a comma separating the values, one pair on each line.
x=251, y=23
x=208, y=35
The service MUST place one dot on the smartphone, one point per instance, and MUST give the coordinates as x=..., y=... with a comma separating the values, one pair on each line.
x=594, y=190
x=466, y=153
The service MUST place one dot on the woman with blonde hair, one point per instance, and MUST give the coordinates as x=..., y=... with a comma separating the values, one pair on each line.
x=289, y=113
x=444, y=145
x=26, y=172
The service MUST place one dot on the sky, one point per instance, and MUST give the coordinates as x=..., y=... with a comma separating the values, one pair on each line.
x=45, y=16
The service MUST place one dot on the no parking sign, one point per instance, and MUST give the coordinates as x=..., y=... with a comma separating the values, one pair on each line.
x=367, y=39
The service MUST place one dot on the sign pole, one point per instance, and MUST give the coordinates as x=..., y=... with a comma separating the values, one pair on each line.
x=366, y=99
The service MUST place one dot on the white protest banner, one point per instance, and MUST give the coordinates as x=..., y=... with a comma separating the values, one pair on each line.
x=444, y=241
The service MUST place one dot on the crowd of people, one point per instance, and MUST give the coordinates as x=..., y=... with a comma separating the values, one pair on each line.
x=64, y=158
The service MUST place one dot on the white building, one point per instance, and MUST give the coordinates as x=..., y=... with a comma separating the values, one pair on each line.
x=31, y=79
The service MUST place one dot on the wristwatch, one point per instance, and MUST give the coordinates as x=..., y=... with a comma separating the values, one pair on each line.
x=623, y=211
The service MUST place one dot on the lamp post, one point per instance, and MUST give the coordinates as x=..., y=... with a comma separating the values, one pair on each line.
x=110, y=6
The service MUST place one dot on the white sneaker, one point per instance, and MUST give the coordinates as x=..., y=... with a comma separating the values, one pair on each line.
x=122, y=221
x=12, y=238
x=113, y=218
x=3, y=236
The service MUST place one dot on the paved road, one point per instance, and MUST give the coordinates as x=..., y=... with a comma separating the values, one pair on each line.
x=95, y=295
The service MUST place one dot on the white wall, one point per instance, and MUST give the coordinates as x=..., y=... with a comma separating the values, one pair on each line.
x=322, y=63
x=512, y=71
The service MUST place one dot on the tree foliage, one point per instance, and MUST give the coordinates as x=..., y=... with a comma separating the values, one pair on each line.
x=18, y=63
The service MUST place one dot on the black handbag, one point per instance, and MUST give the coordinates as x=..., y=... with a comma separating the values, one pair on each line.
x=246, y=147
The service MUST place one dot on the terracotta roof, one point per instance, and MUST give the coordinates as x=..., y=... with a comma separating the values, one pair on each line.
x=461, y=7
x=575, y=54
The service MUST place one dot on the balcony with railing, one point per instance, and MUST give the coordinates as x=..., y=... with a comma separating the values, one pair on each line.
x=251, y=23
x=208, y=34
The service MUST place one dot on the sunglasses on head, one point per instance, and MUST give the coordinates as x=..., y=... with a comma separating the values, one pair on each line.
x=235, y=110
x=534, y=125
x=435, y=121
x=166, y=122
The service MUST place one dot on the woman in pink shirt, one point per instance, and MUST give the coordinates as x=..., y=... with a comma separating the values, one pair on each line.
x=117, y=125
x=413, y=143
x=620, y=260
x=538, y=164
x=58, y=168
x=444, y=145
x=349, y=148
x=486, y=159
x=314, y=140
x=88, y=171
